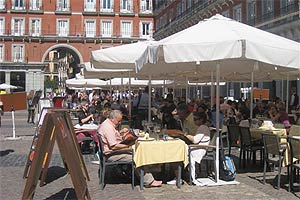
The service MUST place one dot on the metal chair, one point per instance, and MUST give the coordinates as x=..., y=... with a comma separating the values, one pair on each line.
x=274, y=154
x=233, y=136
x=209, y=156
x=248, y=145
x=294, y=144
x=104, y=162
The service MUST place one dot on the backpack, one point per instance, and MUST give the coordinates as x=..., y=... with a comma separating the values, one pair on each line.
x=227, y=168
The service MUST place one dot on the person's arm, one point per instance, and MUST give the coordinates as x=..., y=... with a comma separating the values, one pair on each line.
x=86, y=119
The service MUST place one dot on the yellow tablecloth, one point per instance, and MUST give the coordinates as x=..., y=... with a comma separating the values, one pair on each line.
x=155, y=152
x=256, y=133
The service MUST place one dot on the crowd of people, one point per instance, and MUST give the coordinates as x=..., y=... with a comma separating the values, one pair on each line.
x=190, y=118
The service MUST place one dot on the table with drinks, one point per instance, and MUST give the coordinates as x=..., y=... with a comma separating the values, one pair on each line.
x=158, y=148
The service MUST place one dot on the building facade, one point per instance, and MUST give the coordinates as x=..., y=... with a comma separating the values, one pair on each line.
x=280, y=17
x=49, y=39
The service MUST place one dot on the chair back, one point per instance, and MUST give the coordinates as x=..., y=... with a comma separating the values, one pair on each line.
x=233, y=135
x=101, y=148
x=271, y=144
x=294, y=147
x=294, y=130
x=245, y=136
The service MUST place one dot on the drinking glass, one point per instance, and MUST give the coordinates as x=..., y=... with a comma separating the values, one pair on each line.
x=157, y=129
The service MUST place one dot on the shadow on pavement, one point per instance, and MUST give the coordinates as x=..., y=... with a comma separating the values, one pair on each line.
x=67, y=193
x=54, y=173
x=6, y=152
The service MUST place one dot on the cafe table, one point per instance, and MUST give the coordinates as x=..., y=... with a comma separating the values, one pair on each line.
x=149, y=152
x=256, y=133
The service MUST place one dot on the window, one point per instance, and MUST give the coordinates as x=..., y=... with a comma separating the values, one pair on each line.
x=237, y=13
x=18, y=4
x=126, y=28
x=106, y=5
x=35, y=27
x=2, y=4
x=90, y=5
x=178, y=10
x=145, y=6
x=126, y=6
x=17, y=26
x=1, y=52
x=267, y=6
x=2, y=25
x=145, y=29
x=63, y=5
x=251, y=9
x=35, y=4
x=183, y=6
x=90, y=28
x=106, y=28
x=18, y=53
x=62, y=27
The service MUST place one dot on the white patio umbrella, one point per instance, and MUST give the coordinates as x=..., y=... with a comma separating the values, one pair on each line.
x=223, y=45
x=84, y=83
x=5, y=86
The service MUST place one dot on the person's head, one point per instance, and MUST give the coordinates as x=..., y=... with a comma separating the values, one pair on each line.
x=115, y=117
x=84, y=105
x=146, y=90
x=200, y=118
x=182, y=111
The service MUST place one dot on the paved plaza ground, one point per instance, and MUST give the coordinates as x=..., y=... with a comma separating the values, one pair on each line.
x=13, y=156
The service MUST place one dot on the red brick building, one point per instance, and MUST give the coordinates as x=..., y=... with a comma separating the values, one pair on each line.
x=69, y=29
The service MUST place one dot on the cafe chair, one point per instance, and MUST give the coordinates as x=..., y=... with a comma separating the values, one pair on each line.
x=104, y=163
x=233, y=136
x=86, y=142
x=210, y=155
x=294, y=130
x=273, y=154
x=249, y=146
x=294, y=144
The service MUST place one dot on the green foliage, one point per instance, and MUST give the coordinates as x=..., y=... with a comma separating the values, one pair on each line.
x=51, y=83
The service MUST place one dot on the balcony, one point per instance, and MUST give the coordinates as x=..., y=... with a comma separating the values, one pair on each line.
x=63, y=10
x=3, y=7
x=36, y=9
x=18, y=9
x=145, y=9
x=126, y=11
x=90, y=9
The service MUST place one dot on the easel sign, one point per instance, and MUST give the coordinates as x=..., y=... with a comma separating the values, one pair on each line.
x=56, y=126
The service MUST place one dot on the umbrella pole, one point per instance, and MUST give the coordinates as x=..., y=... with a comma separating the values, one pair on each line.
x=211, y=89
x=217, y=119
x=129, y=97
x=287, y=94
x=149, y=96
x=251, y=102
x=186, y=89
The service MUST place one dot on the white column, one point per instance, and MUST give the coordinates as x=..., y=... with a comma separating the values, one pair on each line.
x=211, y=89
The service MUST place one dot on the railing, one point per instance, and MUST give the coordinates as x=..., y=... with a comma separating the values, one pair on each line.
x=63, y=9
x=90, y=8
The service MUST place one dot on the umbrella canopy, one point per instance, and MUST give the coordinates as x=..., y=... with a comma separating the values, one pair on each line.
x=84, y=83
x=241, y=48
x=5, y=86
x=119, y=57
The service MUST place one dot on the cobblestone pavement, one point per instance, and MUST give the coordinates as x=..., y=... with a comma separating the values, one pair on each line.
x=13, y=155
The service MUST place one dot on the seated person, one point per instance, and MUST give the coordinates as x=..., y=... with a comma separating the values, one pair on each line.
x=185, y=118
x=112, y=139
x=201, y=136
x=84, y=116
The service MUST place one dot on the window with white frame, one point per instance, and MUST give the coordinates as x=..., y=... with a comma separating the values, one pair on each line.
x=267, y=6
x=285, y=3
x=90, y=5
x=17, y=26
x=35, y=27
x=18, y=53
x=145, y=29
x=126, y=6
x=1, y=52
x=62, y=27
x=63, y=5
x=90, y=28
x=18, y=4
x=106, y=28
x=189, y=3
x=237, y=13
x=145, y=6
x=106, y=5
x=251, y=9
x=35, y=5
x=2, y=4
x=126, y=28
x=2, y=25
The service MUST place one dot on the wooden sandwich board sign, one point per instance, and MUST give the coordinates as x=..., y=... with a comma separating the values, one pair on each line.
x=57, y=125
